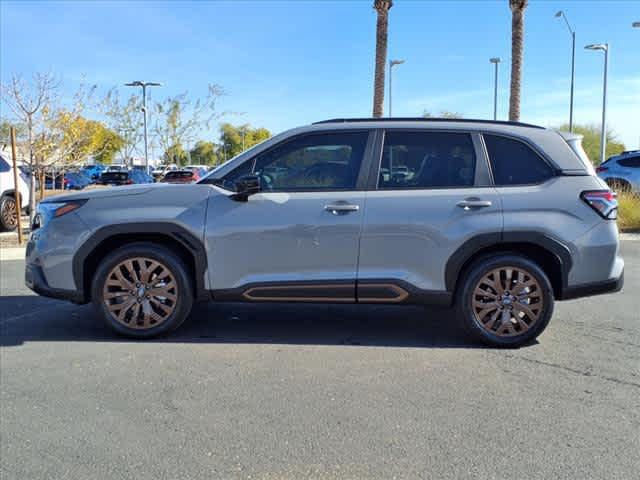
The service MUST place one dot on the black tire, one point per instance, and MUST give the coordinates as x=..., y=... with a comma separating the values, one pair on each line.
x=467, y=292
x=7, y=214
x=171, y=262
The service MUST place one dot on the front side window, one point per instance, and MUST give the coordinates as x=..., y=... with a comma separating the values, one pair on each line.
x=416, y=159
x=327, y=161
x=514, y=162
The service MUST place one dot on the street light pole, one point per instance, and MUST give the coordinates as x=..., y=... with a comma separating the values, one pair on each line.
x=573, y=65
x=603, y=134
x=144, y=85
x=495, y=61
x=392, y=63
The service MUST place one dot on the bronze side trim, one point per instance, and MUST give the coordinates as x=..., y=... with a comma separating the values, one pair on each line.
x=400, y=293
x=307, y=296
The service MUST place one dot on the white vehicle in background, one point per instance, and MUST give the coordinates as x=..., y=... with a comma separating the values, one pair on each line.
x=8, y=217
x=162, y=170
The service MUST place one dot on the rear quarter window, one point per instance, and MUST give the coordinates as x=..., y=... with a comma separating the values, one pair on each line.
x=515, y=163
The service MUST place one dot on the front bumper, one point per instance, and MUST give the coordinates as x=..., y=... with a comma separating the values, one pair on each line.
x=34, y=279
x=596, y=288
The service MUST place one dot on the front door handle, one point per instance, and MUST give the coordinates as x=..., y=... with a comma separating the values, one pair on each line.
x=341, y=208
x=469, y=203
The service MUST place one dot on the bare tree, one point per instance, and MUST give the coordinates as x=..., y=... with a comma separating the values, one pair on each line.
x=178, y=120
x=124, y=118
x=28, y=100
x=517, y=46
x=382, y=8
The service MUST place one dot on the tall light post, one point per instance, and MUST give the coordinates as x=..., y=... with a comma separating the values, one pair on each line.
x=496, y=62
x=144, y=85
x=392, y=63
x=603, y=134
x=573, y=64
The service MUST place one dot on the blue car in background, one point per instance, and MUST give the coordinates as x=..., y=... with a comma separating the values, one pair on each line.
x=72, y=181
x=93, y=171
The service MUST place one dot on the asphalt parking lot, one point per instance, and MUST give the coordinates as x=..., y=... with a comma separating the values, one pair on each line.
x=279, y=392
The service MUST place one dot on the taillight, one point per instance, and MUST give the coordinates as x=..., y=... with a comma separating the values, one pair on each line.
x=602, y=169
x=129, y=182
x=604, y=202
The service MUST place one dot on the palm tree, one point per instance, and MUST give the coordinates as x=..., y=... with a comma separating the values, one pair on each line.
x=517, y=45
x=382, y=8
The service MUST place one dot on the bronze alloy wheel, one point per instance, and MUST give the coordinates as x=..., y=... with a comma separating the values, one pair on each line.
x=8, y=213
x=140, y=293
x=507, y=301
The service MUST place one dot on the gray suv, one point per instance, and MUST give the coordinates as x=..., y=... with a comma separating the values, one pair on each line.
x=499, y=219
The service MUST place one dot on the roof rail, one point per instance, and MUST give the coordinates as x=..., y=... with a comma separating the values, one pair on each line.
x=427, y=119
x=626, y=152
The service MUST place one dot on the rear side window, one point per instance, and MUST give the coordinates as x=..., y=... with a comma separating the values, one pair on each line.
x=514, y=162
x=420, y=160
x=631, y=162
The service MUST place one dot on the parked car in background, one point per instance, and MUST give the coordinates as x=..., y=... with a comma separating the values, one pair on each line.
x=162, y=170
x=202, y=169
x=501, y=220
x=8, y=215
x=93, y=172
x=126, y=177
x=622, y=172
x=117, y=168
x=142, y=168
x=71, y=181
x=185, y=175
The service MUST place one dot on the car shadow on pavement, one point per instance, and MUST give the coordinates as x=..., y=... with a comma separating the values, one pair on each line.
x=299, y=324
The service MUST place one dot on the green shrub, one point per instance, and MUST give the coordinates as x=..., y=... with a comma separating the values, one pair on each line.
x=629, y=211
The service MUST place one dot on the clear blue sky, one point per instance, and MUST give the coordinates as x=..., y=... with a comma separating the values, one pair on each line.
x=293, y=62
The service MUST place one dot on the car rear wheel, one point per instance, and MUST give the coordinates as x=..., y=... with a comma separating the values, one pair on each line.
x=505, y=300
x=142, y=290
x=8, y=216
x=618, y=185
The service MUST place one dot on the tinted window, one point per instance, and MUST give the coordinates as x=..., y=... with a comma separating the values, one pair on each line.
x=328, y=161
x=179, y=174
x=426, y=160
x=515, y=163
x=631, y=162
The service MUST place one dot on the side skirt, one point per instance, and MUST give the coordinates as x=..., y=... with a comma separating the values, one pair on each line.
x=382, y=291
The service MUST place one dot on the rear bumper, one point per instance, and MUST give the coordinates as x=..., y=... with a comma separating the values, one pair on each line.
x=34, y=279
x=596, y=288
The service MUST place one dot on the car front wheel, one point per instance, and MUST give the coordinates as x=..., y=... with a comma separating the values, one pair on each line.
x=142, y=290
x=505, y=300
x=8, y=215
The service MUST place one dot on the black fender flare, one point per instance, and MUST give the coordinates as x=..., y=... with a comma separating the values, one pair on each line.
x=477, y=243
x=178, y=233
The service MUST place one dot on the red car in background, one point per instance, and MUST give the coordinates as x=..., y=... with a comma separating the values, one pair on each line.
x=189, y=175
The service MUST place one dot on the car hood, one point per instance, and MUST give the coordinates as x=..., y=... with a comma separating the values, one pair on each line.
x=126, y=190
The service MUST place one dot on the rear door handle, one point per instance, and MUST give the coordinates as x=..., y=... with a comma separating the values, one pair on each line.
x=469, y=203
x=341, y=208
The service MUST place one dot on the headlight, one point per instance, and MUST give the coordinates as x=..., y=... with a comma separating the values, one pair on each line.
x=48, y=210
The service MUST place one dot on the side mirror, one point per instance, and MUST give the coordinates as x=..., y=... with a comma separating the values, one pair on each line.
x=245, y=186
